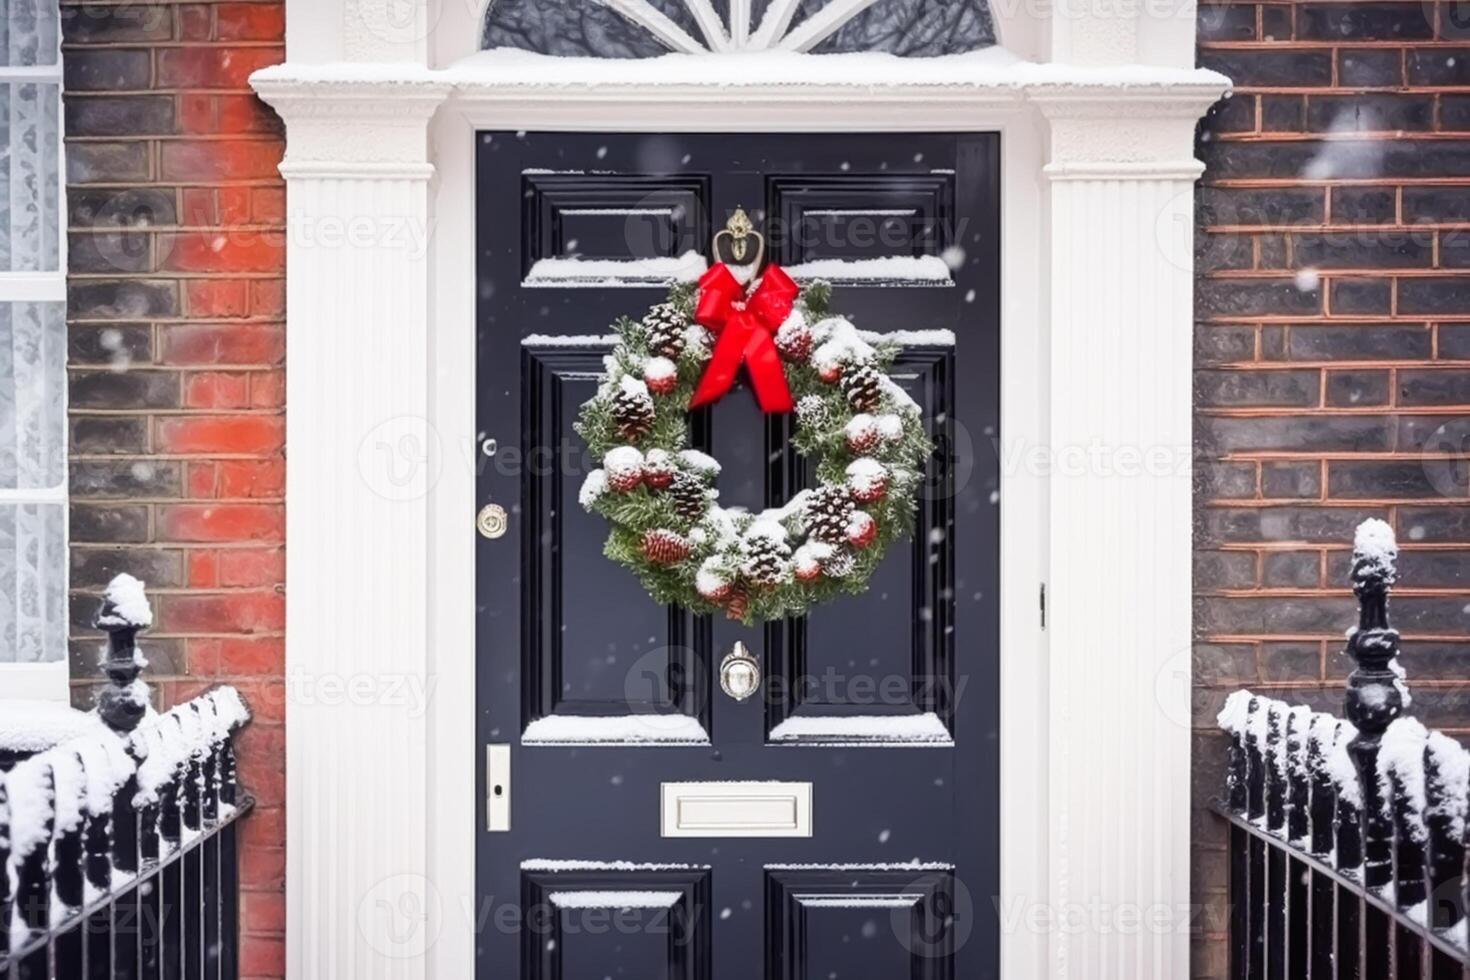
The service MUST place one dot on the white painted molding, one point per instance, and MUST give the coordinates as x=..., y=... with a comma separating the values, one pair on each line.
x=357, y=525
x=36, y=682
x=1120, y=258
x=1097, y=178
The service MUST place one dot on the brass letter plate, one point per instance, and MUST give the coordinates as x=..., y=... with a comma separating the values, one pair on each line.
x=748, y=809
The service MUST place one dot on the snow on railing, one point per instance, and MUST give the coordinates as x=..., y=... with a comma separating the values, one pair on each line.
x=1347, y=821
x=117, y=845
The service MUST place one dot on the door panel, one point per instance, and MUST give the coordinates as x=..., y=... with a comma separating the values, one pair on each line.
x=883, y=704
x=584, y=628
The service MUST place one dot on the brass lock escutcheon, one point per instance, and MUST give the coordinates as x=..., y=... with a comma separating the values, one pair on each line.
x=491, y=521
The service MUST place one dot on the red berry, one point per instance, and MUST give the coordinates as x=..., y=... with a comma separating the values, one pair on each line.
x=807, y=571
x=861, y=530
x=830, y=373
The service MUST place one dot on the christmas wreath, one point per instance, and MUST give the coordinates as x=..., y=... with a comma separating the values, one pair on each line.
x=864, y=432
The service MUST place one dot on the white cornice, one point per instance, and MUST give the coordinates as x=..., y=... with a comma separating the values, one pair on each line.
x=726, y=79
x=369, y=120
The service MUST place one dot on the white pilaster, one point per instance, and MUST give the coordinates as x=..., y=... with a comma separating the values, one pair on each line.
x=1120, y=214
x=356, y=526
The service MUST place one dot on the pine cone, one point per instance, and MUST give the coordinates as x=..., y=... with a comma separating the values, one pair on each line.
x=840, y=565
x=863, y=387
x=632, y=410
x=813, y=413
x=765, y=560
x=794, y=341
x=691, y=499
x=826, y=514
x=665, y=326
x=664, y=546
x=658, y=469
x=737, y=603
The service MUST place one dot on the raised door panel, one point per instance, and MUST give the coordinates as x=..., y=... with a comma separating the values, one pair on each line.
x=601, y=661
x=879, y=667
x=593, y=922
x=868, y=923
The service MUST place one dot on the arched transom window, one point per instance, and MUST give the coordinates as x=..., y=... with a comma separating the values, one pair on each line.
x=647, y=28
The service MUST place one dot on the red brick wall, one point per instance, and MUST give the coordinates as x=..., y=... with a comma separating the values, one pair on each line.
x=176, y=303
x=1317, y=392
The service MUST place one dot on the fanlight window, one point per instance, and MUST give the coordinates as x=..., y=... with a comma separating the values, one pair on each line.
x=648, y=28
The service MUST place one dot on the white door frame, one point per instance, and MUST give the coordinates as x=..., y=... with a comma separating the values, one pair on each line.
x=1097, y=175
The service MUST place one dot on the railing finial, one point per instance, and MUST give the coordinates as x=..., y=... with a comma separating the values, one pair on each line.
x=125, y=612
x=1376, y=693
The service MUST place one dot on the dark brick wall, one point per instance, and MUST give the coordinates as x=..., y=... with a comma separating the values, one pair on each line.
x=1332, y=354
x=176, y=303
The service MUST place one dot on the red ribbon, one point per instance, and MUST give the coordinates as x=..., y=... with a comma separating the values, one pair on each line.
x=745, y=326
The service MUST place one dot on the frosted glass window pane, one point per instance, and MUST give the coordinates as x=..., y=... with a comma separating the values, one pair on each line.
x=30, y=186
x=579, y=28
x=30, y=29
x=32, y=380
x=32, y=583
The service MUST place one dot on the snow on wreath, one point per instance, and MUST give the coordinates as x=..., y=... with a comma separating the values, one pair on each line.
x=864, y=432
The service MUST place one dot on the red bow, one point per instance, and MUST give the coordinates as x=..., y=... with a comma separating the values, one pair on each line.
x=745, y=325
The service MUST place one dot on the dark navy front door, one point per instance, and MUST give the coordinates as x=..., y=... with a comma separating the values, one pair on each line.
x=655, y=823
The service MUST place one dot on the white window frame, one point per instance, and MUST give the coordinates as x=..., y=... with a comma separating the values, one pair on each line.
x=49, y=680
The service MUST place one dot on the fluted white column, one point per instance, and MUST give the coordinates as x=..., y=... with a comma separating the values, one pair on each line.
x=360, y=465
x=1120, y=175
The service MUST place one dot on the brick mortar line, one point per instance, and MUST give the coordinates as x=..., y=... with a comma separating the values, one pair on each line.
x=206, y=502
x=1311, y=45
x=1310, y=547
x=1246, y=367
x=250, y=136
x=148, y=45
x=1320, y=412
x=132, y=93
x=159, y=183
x=281, y=229
x=1267, y=592
x=1374, y=135
x=102, y=413
x=1241, y=638
x=1288, y=275
x=1292, y=183
x=1323, y=320
x=171, y=275
x=163, y=546
x=1333, y=91
x=1342, y=456
x=1307, y=229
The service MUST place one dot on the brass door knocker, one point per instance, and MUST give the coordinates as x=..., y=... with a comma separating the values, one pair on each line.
x=738, y=232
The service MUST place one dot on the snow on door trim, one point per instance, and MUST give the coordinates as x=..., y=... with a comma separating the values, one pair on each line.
x=922, y=730
x=575, y=272
x=615, y=900
x=618, y=730
x=887, y=270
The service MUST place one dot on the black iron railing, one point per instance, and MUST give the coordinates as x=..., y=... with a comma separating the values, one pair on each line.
x=1347, y=836
x=119, y=850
